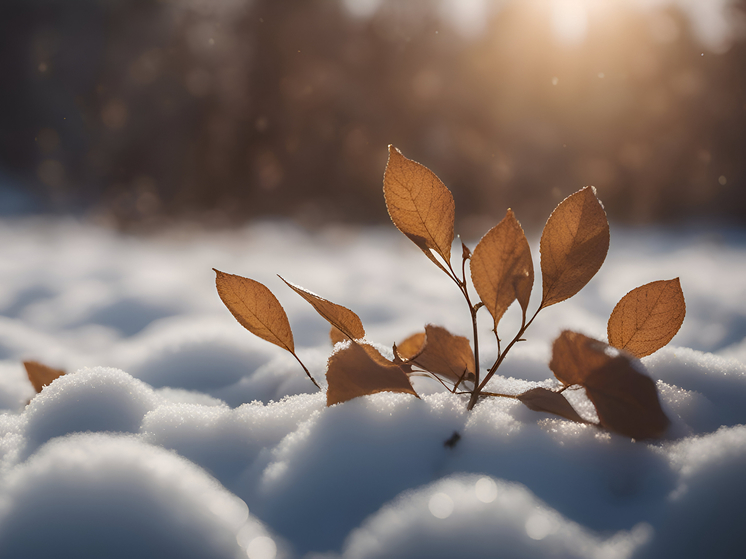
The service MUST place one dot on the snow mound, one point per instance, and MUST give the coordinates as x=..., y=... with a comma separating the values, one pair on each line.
x=100, y=495
x=95, y=399
x=446, y=519
x=164, y=458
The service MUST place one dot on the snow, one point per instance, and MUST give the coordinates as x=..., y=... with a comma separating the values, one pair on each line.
x=178, y=433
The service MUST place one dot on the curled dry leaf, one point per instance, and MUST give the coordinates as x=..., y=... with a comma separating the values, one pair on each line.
x=41, y=375
x=359, y=370
x=573, y=245
x=647, y=318
x=346, y=321
x=574, y=356
x=256, y=309
x=441, y=353
x=411, y=346
x=335, y=336
x=420, y=205
x=625, y=399
x=542, y=399
x=501, y=267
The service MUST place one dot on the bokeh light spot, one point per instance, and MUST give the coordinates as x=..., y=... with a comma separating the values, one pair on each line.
x=262, y=547
x=440, y=505
x=486, y=490
x=539, y=526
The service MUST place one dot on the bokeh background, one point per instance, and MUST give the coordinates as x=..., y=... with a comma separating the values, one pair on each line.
x=143, y=113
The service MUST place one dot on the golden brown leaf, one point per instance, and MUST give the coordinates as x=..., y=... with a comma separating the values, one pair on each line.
x=412, y=346
x=574, y=356
x=359, y=370
x=625, y=399
x=501, y=267
x=341, y=317
x=420, y=205
x=256, y=309
x=336, y=336
x=647, y=318
x=41, y=375
x=541, y=399
x=445, y=355
x=573, y=245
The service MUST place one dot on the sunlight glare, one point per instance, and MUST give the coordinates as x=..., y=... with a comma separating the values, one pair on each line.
x=569, y=21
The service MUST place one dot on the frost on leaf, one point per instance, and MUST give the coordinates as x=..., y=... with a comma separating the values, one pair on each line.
x=647, y=318
x=420, y=205
x=573, y=245
x=542, y=399
x=501, y=267
x=359, y=370
x=342, y=318
x=625, y=399
x=439, y=352
x=256, y=309
x=41, y=375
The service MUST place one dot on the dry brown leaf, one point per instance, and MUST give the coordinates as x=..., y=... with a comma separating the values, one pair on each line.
x=542, y=399
x=41, y=375
x=647, y=318
x=336, y=336
x=445, y=355
x=574, y=356
x=625, y=399
x=359, y=370
x=412, y=346
x=256, y=309
x=501, y=267
x=341, y=317
x=573, y=245
x=420, y=205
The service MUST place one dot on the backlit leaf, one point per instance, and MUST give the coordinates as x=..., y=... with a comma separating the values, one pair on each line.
x=355, y=371
x=336, y=336
x=338, y=316
x=445, y=355
x=541, y=399
x=412, y=346
x=41, y=375
x=575, y=356
x=420, y=205
x=256, y=309
x=647, y=318
x=501, y=267
x=625, y=399
x=573, y=245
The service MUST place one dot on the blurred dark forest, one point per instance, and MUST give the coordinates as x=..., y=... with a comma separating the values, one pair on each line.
x=143, y=112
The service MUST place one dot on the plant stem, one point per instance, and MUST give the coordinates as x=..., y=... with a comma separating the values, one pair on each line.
x=463, y=286
x=500, y=358
x=316, y=384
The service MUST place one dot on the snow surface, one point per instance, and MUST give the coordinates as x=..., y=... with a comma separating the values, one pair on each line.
x=178, y=433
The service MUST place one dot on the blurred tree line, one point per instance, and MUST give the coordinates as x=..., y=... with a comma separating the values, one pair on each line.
x=148, y=111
